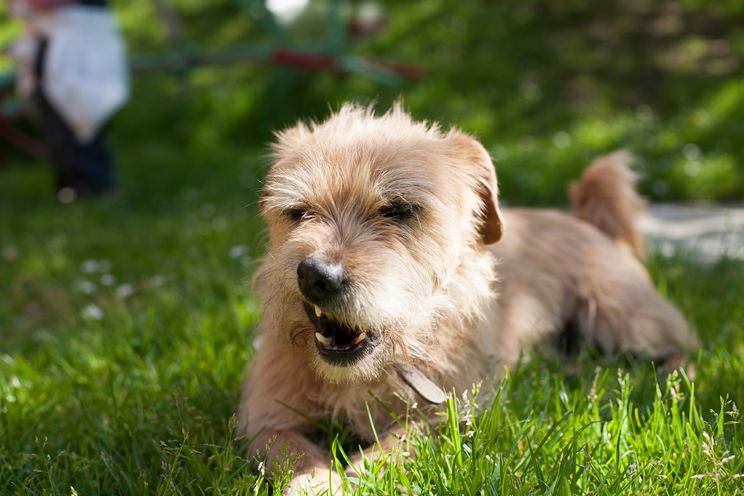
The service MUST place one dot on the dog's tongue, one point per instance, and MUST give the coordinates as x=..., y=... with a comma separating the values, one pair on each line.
x=420, y=383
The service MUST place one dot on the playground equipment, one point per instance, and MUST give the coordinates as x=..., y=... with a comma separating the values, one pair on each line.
x=331, y=52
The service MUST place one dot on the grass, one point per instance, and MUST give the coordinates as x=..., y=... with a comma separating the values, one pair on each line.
x=125, y=329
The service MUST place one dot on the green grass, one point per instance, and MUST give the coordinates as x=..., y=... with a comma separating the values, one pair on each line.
x=125, y=329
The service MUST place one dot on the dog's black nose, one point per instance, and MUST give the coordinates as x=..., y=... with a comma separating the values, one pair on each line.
x=319, y=280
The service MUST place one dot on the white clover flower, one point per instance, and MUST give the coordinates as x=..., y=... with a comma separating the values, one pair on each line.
x=238, y=251
x=86, y=287
x=124, y=290
x=90, y=266
x=92, y=312
x=561, y=139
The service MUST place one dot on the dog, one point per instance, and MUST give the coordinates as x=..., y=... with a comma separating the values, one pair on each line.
x=392, y=270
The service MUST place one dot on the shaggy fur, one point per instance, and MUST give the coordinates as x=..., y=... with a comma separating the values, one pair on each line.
x=433, y=286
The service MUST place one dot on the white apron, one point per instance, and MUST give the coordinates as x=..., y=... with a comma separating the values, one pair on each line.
x=85, y=69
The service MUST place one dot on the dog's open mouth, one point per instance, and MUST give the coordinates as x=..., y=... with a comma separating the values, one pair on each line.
x=337, y=343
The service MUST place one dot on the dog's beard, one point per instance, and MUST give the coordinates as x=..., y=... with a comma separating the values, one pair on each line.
x=397, y=337
x=396, y=346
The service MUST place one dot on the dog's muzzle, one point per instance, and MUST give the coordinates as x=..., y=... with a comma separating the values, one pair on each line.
x=324, y=285
x=337, y=343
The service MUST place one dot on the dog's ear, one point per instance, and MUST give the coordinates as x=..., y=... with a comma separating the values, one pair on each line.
x=469, y=151
x=284, y=149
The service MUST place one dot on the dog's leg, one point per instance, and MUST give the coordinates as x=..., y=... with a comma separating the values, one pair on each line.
x=392, y=441
x=274, y=414
x=310, y=471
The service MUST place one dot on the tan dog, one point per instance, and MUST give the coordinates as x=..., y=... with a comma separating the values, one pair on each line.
x=381, y=277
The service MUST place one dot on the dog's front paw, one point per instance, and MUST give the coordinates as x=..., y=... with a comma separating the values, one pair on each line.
x=317, y=482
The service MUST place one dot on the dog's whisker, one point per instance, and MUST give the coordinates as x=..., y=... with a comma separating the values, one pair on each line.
x=300, y=335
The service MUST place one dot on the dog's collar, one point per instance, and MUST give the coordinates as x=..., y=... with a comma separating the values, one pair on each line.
x=420, y=383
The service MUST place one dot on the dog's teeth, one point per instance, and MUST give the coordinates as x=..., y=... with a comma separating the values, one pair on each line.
x=326, y=341
x=317, y=310
x=360, y=338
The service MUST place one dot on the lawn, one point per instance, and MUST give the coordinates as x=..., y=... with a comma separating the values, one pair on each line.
x=125, y=327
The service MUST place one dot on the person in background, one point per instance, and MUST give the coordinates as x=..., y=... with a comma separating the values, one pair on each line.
x=72, y=65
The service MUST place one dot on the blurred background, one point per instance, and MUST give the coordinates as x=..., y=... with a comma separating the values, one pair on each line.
x=546, y=85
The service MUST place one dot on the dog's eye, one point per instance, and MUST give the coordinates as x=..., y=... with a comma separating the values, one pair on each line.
x=399, y=211
x=295, y=214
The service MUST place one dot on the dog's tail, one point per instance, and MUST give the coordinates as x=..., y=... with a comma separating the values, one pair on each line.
x=606, y=197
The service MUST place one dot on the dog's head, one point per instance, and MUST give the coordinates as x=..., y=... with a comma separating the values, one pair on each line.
x=374, y=221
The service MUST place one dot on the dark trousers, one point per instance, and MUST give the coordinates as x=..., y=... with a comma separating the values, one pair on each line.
x=85, y=167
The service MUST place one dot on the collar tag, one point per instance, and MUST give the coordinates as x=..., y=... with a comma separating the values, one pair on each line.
x=420, y=383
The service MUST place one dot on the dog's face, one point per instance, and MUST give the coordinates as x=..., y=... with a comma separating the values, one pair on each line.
x=370, y=219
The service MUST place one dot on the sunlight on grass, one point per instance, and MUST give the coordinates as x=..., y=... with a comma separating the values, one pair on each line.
x=126, y=336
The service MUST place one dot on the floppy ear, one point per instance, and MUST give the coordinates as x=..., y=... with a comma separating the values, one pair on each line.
x=468, y=150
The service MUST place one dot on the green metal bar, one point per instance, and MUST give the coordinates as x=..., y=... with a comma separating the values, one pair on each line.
x=184, y=58
x=177, y=60
x=359, y=65
x=336, y=28
x=265, y=20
